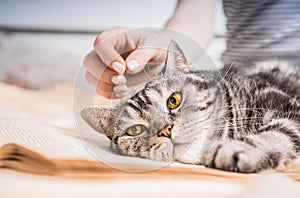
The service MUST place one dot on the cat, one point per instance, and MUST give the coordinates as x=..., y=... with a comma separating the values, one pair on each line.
x=223, y=119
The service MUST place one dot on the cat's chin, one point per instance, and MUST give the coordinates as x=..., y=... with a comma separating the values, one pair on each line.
x=189, y=153
x=181, y=155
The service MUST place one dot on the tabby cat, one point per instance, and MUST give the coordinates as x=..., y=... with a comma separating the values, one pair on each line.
x=222, y=119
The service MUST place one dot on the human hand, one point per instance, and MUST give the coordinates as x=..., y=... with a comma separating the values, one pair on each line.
x=119, y=56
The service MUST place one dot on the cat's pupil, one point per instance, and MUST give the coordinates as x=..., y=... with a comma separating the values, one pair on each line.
x=173, y=100
x=134, y=129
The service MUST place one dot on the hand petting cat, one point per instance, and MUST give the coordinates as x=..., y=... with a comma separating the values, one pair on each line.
x=119, y=53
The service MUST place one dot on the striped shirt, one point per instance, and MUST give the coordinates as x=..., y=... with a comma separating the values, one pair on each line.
x=262, y=30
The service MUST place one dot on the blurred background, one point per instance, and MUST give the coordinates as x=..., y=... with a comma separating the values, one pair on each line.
x=43, y=42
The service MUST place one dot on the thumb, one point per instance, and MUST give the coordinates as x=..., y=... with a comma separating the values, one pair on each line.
x=138, y=58
x=110, y=56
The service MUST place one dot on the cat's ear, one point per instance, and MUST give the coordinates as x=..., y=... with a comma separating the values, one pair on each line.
x=99, y=118
x=175, y=60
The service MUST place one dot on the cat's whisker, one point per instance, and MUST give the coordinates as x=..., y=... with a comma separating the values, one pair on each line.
x=223, y=77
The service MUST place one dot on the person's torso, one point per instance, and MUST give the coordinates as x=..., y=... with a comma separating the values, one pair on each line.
x=262, y=30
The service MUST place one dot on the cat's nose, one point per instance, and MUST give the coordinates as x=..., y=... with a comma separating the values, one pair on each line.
x=165, y=132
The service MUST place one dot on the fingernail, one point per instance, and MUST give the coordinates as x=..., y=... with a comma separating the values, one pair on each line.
x=118, y=80
x=120, y=95
x=133, y=65
x=118, y=67
x=120, y=88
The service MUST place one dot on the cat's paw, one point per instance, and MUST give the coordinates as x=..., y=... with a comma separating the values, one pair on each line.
x=234, y=156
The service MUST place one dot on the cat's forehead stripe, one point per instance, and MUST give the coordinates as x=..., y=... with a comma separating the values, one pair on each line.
x=157, y=87
x=142, y=99
x=133, y=106
x=145, y=96
x=199, y=84
x=140, y=105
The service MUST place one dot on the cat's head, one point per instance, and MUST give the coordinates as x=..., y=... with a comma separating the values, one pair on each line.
x=170, y=115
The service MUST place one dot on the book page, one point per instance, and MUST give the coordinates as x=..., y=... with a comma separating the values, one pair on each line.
x=43, y=138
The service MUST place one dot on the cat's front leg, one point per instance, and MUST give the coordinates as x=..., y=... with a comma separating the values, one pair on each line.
x=234, y=155
x=253, y=153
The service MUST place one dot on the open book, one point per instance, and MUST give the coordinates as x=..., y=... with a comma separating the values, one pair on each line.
x=40, y=148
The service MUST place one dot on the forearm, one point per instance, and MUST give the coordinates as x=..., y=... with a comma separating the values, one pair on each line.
x=195, y=19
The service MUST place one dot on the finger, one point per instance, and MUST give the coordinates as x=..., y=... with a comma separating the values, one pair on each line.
x=110, y=76
x=106, y=44
x=97, y=83
x=120, y=95
x=109, y=33
x=91, y=79
x=107, y=51
x=105, y=90
x=93, y=64
x=108, y=95
x=100, y=71
x=118, y=80
x=105, y=86
x=137, y=60
x=120, y=89
x=150, y=70
x=102, y=88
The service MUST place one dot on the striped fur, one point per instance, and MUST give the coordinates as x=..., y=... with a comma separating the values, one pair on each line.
x=244, y=122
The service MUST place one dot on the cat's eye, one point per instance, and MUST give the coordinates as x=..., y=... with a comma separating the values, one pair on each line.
x=174, y=100
x=136, y=130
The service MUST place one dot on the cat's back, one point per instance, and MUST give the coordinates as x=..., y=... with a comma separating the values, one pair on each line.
x=283, y=76
x=267, y=87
